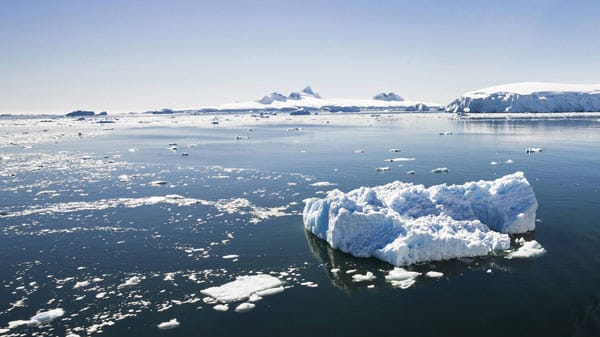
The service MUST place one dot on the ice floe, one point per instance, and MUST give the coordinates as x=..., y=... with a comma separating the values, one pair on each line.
x=528, y=249
x=402, y=223
x=170, y=324
x=368, y=276
x=243, y=287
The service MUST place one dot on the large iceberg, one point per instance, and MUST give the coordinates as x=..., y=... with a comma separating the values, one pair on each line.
x=530, y=97
x=403, y=223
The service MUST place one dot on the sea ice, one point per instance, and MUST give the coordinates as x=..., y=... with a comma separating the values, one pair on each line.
x=434, y=274
x=440, y=170
x=245, y=307
x=243, y=287
x=402, y=223
x=171, y=324
x=363, y=278
x=527, y=250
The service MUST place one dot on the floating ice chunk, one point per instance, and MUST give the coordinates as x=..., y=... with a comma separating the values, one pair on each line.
x=359, y=151
x=171, y=324
x=230, y=256
x=533, y=149
x=363, y=278
x=221, y=307
x=489, y=271
x=434, y=274
x=440, y=170
x=322, y=184
x=309, y=284
x=335, y=270
x=395, y=150
x=243, y=287
x=509, y=161
x=101, y=295
x=392, y=160
x=81, y=284
x=158, y=183
x=3, y=331
x=494, y=163
x=403, y=284
x=529, y=249
x=245, y=307
x=132, y=281
x=410, y=172
x=270, y=291
x=40, y=318
x=401, y=274
x=403, y=223
x=124, y=178
x=383, y=169
x=445, y=133
x=254, y=298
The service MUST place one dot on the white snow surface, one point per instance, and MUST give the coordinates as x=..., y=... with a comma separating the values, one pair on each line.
x=402, y=223
x=536, y=97
x=243, y=287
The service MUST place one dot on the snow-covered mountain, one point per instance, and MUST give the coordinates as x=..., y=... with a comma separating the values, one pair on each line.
x=530, y=97
x=307, y=98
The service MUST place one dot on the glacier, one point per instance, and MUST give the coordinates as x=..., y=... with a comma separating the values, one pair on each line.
x=537, y=97
x=403, y=223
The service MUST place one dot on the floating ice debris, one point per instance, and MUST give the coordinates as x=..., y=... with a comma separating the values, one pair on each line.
x=245, y=307
x=81, y=284
x=383, y=169
x=509, y=161
x=494, y=163
x=335, y=270
x=243, y=287
x=101, y=295
x=221, y=307
x=392, y=160
x=123, y=178
x=254, y=298
x=158, y=183
x=395, y=150
x=322, y=184
x=359, y=151
x=40, y=318
x=241, y=137
x=489, y=271
x=410, y=172
x=363, y=278
x=309, y=284
x=434, y=274
x=184, y=154
x=171, y=324
x=230, y=256
x=440, y=170
x=351, y=271
x=401, y=278
x=402, y=223
x=132, y=281
x=533, y=149
x=446, y=133
x=529, y=249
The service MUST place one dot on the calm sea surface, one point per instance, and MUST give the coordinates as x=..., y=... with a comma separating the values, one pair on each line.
x=74, y=230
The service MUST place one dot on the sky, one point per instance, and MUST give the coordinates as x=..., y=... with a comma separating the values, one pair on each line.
x=119, y=56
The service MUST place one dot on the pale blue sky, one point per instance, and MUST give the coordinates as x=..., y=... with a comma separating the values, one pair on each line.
x=57, y=56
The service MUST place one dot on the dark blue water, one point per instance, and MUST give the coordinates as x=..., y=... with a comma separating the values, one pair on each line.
x=45, y=252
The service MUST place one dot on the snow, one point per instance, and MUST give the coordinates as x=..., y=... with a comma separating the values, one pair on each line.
x=403, y=223
x=536, y=97
x=243, y=287
x=309, y=99
x=529, y=249
x=171, y=324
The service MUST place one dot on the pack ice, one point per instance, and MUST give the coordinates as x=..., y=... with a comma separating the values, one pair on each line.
x=402, y=223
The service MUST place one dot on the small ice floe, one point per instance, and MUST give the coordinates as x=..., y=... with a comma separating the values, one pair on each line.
x=383, y=169
x=493, y=163
x=393, y=160
x=445, y=133
x=171, y=324
x=529, y=249
x=351, y=271
x=132, y=281
x=230, y=256
x=241, y=137
x=395, y=150
x=221, y=307
x=533, y=149
x=81, y=284
x=363, y=278
x=335, y=270
x=184, y=154
x=509, y=161
x=309, y=284
x=401, y=278
x=245, y=307
x=254, y=298
x=133, y=150
x=489, y=271
x=40, y=318
x=410, y=172
x=434, y=274
x=243, y=287
x=359, y=151
x=124, y=178
x=322, y=184
x=158, y=183
x=440, y=170
x=101, y=295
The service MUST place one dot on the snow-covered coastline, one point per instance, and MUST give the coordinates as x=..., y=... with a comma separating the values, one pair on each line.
x=534, y=97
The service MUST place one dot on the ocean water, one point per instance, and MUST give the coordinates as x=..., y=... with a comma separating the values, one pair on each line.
x=82, y=227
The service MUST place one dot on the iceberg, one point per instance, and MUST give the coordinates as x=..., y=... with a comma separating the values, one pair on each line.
x=536, y=97
x=403, y=223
